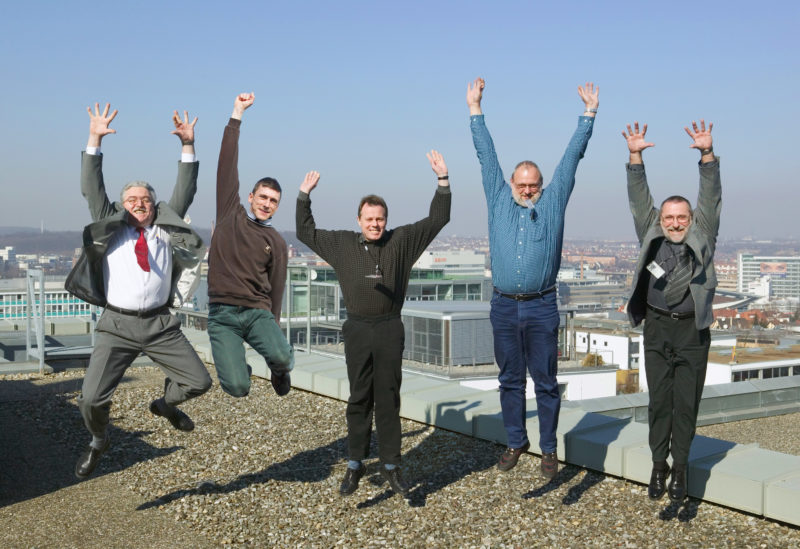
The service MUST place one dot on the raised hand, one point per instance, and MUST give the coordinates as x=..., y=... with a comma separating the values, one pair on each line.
x=183, y=129
x=702, y=137
x=635, y=138
x=437, y=163
x=309, y=182
x=589, y=94
x=99, y=122
x=475, y=94
x=241, y=103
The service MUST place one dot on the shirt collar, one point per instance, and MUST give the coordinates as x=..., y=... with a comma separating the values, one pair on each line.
x=267, y=223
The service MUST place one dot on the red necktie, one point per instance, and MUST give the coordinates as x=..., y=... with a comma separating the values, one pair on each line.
x=141, y=251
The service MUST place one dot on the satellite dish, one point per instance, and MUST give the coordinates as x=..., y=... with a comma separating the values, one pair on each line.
x=313, y=274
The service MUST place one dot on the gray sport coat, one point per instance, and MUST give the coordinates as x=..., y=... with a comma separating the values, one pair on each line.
x=701, y=240
x=85, y=281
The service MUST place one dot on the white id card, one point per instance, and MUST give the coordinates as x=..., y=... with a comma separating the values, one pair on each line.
x=655, y=269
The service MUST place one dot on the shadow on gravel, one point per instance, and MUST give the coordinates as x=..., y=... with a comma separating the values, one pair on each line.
x=684, y=512
x=442, y=457
x=42, y=435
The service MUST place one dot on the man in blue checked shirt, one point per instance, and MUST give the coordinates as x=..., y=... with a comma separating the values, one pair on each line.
x=526, y=232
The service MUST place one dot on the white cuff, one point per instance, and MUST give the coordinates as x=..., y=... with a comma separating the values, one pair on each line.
x=188, y=157
x=93, y=151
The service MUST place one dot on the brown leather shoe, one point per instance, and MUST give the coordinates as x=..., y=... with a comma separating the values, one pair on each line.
x=508, y=459
x=549, y=466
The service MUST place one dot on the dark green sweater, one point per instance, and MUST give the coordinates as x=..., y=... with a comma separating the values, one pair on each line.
x=353, y=258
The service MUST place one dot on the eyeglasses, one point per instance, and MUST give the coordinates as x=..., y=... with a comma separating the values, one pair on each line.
x=132, y=201
x=678, y=218
x=533, y=186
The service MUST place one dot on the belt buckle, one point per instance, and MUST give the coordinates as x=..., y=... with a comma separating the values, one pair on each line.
x=675, y=316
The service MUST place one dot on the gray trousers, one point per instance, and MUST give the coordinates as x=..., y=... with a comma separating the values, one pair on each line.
x=120, y=339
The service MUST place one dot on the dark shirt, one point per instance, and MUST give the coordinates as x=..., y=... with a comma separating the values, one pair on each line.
x=354, y=259
x=666, y=256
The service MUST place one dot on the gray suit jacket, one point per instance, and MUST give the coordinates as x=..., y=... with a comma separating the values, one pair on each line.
x=85, y=281
x=701, y=240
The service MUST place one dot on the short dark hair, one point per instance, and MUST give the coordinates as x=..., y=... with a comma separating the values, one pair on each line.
x=676, y=198
x=527, y=164
x=374, y=200
x=269, y=182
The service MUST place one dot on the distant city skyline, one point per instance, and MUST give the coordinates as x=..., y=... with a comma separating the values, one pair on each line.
x=361, y=90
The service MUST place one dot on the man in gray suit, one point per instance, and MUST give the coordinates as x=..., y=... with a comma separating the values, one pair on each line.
x=133, y=255
x=672, y=290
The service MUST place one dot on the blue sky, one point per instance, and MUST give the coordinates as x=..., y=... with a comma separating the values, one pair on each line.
x=361, y=90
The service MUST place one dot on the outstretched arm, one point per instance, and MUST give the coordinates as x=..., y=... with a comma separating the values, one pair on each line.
x=228, y=163
x=93, y=186
x=640, y=200
x=564, y=175
x=186, y=184
x=636, y=142
x=320, y=241
x=491, y=174
x=709, y=197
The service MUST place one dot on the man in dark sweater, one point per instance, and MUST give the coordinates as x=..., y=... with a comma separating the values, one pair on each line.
x=373, y=268
x=247, y=273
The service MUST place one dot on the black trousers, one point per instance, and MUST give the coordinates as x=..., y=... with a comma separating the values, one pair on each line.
x=676, y=357
x=373, y=350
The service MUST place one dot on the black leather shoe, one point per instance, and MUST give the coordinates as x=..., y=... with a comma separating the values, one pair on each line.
x=350, y=480
x=281, y=383
x=179, y=420
x=395, y=480
x=508, y=460
x=658, y=482
x=89, y=459
x=677, y=485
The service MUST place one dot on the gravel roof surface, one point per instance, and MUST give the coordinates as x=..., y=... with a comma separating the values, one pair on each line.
x=264, y=471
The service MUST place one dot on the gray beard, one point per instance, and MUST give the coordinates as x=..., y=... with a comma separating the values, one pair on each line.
x=521, y=201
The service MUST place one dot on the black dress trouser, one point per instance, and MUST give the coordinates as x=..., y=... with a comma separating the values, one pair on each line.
x=676, y=357
x=373, y=351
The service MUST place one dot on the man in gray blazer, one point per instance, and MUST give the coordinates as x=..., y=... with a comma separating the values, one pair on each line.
x=133, y=255
x=672, y=290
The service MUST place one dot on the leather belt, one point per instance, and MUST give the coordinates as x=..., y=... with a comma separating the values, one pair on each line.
x=673, y=316
x=139, y=314
x=527, y=297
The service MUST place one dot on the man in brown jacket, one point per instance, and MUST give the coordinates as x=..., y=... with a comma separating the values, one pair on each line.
x=247, y=273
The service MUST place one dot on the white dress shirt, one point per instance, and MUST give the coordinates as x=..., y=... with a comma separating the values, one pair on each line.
x=127, y=285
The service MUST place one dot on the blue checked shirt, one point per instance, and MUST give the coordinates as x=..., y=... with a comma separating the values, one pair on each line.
x=526, y=251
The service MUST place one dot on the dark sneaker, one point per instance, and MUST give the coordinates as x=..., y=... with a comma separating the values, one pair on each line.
x=549, y=465
x=508, y=460
x=281, y=383
x=179, y=420
x=395, y=480
x=350, y=480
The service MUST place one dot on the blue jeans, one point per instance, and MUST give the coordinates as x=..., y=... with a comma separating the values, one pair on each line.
x=229, y=327
x=526, y=340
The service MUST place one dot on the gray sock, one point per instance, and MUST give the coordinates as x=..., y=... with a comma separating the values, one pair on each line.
x=354, y=464
x=390, y=466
